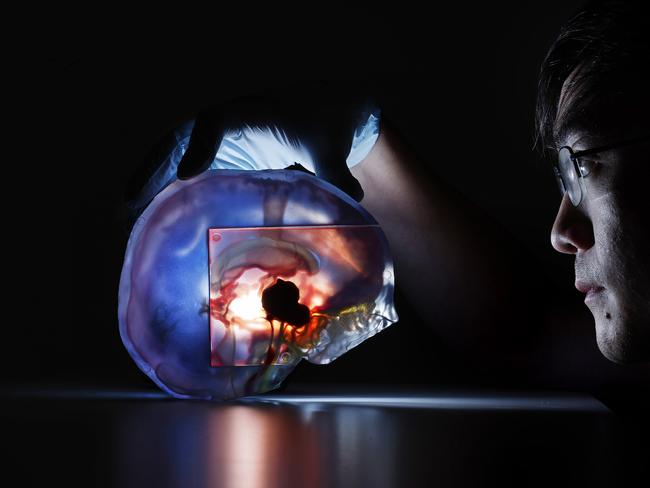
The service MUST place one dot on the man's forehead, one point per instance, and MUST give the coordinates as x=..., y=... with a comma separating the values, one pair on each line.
x=598, y=125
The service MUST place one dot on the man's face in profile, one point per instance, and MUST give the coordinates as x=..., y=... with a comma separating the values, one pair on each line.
x=609, y=235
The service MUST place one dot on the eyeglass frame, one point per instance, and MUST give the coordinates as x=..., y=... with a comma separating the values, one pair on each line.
x=575, y=158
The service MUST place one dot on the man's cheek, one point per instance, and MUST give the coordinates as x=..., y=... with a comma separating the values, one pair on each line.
x=604, y=214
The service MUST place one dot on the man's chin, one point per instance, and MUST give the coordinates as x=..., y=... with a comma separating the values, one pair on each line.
x=618, y=345
x=614, y=354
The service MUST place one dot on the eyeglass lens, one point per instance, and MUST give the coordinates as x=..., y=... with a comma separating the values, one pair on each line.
x=569, y=175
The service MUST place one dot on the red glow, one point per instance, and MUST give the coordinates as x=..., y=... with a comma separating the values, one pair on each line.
x=245, y=262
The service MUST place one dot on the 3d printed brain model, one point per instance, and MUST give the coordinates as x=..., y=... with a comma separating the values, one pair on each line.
x=233, y=277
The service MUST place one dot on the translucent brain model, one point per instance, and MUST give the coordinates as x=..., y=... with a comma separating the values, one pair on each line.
x=231, y=278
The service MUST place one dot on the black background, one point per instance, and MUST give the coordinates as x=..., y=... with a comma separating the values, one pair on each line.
x=457, y=81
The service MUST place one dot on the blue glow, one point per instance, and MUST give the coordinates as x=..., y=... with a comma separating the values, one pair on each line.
x=164, y=296
x=545, y=402
x=541, y=401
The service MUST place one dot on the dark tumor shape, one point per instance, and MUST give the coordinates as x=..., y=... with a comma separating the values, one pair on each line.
x=280, y=301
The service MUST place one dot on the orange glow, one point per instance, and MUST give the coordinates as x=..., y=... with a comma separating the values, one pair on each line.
x=246, y=262
x=246, y=318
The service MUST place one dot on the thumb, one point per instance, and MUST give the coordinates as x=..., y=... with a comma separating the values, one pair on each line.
x=202, y=148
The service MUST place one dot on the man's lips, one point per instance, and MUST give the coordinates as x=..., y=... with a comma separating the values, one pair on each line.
x=590, y=289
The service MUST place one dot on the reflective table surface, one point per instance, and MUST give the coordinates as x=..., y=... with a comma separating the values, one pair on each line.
x=317, y=437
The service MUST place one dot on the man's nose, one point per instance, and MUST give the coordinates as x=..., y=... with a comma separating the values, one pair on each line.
x=572, y=230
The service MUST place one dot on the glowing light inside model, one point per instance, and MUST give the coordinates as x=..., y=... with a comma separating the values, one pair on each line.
x=269, y=289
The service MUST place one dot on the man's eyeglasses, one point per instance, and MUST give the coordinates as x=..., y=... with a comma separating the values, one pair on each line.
x=570, y=169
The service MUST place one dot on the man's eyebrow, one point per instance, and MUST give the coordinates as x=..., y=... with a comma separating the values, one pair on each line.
x=575, y=135
x=599, y=148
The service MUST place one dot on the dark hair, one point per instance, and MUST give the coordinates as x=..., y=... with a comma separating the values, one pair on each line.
x=596, y=71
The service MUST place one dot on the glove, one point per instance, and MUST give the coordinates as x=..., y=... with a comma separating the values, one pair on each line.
x=322, y=129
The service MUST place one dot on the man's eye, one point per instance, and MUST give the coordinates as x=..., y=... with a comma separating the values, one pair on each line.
x=588, y=166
